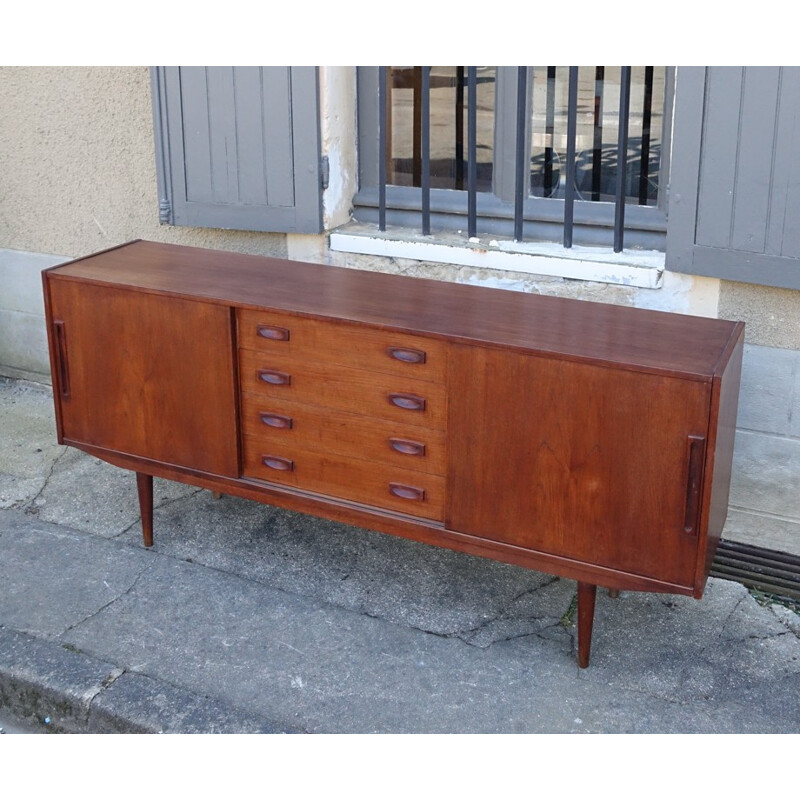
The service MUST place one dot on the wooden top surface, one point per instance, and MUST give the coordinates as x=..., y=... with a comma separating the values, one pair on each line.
x=695, y=347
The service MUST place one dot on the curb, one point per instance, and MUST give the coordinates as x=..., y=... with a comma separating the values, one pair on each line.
x=60, y=690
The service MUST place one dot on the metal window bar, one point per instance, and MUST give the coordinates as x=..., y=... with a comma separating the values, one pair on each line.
x=522, y=171
x=622, y=156
x=522, y=183
x=597, y=143
x=572, y=132
x=383, y=100
x=472, y=151
x=647, y=112
x=550, y=131
x=425, y=134
x=417, y=160
x=459, y=128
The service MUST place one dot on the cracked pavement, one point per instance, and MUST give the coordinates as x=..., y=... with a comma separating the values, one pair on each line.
x=245, y=617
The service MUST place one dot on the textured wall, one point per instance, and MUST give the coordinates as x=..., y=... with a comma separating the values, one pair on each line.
x=77, y=161
x=772, y=315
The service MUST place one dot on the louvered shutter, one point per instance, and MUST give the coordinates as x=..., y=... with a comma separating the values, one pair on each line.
x=238, y=147
x=734, y=209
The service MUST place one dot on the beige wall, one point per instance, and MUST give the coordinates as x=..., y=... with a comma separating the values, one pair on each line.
x=772, y=315
x=77, y=161
x=78, y=174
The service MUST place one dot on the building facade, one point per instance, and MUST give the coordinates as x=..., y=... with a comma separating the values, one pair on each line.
x=368, y=168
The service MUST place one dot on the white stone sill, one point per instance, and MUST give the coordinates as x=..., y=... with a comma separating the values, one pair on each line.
x=638, y=268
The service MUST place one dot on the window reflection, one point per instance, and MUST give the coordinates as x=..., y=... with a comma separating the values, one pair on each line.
x=597, y=161
x=448, y=142
x=597, y=131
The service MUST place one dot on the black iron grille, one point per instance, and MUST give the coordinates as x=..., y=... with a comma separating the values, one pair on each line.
x=629, y=161
x=767, y=571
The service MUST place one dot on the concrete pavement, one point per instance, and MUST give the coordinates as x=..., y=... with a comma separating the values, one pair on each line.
x=249, y=618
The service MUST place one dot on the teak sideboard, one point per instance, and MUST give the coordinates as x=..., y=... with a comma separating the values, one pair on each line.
x=581, y=439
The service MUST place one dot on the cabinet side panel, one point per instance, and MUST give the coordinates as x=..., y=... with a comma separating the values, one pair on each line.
x=51, y=346
x=719, y=459
x=149, y=375
x=577, y=461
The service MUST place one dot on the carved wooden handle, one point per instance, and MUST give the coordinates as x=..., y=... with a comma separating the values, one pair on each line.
x=695, y=451
x=406, y=492
x=407, y=447
x=276, y=462
x=60, y=332
x=272, y=376
x=273, y=332
x=412, y=402
x=408, y=355
x=275, y=420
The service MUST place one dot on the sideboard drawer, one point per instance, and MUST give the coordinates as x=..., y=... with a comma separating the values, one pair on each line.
x=297, y=425
x=353, y=479
x=407, y=400
x=279, y=334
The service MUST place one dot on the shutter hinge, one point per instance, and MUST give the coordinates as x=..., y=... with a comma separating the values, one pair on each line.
x=324, y=172
x=164, y=212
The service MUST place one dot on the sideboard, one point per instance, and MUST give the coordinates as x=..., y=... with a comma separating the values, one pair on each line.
x=585, y=440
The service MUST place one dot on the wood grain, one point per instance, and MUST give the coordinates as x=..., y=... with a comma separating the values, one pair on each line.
x=338, y=343
x=144, y=488
x=587, y=594
x=149, y=375
x=349, y=478
x=347, y=434
x=629, y=338
x=347, y=389
x=576, y=460
x=719, y=454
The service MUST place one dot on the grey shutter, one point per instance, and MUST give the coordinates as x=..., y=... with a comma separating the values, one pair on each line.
x=238, y=147
x=734, y=209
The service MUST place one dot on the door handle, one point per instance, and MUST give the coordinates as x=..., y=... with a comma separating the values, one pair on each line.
x=695, y=447
x=60, y=335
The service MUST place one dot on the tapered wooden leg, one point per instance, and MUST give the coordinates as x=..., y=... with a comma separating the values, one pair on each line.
x=586, y=597
x=613, y=593
x=216, y=495
x=144, y=483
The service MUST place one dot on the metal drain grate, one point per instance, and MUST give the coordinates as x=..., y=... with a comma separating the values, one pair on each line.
x=768, y=571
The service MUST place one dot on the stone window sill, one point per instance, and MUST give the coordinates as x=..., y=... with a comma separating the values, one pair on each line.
x=635, y=268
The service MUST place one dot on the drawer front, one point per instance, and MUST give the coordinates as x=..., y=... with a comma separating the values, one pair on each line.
x=282, y=423
x=279, y=334
x=401, y=399
x=353, y=479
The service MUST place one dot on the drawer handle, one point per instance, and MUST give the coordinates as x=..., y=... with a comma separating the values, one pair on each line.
x=272, y=376
x=411, y=402
x=276, y=462
x=273, y=332
x=407, y=447
x=275, y=420
x=408, y=355
x=406, y=492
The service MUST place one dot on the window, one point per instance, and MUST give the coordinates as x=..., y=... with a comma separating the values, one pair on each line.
x=543, y=142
